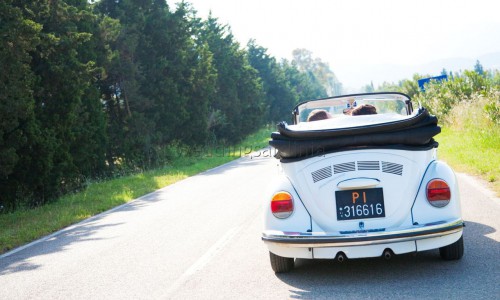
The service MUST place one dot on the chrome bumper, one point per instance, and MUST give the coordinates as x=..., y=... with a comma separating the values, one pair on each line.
x=361, y=238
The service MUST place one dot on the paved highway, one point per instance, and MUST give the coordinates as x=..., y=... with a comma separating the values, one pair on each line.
x=200, y=239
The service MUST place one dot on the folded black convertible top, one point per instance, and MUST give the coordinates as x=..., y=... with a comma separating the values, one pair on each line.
x=415, y=133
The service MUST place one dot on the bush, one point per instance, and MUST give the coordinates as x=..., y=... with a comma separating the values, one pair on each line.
x=441, y=97
x=492, y=108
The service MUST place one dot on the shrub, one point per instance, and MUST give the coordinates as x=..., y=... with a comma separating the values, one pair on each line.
x=441, y=97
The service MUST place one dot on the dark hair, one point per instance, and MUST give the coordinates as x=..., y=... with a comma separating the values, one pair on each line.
x=318, y=114
x=365, y=109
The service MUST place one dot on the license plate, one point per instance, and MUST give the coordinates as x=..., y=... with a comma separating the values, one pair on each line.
x=360, y=204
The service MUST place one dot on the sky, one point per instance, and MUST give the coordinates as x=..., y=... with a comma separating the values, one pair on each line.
x=366, y=40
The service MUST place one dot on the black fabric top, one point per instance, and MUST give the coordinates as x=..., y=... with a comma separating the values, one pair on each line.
x=415, y=133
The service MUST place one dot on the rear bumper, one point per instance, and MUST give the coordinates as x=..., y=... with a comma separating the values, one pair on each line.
x=362, y=238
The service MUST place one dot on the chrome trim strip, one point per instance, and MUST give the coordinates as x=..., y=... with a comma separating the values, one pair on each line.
x=320, y=240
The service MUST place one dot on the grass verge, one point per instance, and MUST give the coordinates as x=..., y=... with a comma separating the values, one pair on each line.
x=23, y=226
x=476, y=155
x=470, y=143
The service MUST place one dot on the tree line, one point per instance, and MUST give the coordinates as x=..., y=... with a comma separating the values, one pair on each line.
x=88, y=90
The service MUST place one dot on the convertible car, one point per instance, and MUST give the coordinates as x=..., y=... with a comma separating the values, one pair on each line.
x=361, y=180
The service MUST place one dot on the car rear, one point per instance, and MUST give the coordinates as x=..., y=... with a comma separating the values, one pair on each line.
x=362, y=186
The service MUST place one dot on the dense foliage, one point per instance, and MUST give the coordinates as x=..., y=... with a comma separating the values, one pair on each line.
x=470, y=87
x=92, y=88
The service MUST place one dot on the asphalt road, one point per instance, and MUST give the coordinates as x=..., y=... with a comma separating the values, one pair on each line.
x=200, y=239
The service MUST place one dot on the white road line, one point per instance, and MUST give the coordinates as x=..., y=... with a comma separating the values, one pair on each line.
x=202, y=261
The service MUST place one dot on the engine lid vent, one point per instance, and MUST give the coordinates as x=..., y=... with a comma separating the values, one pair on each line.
x=368, y=165
x=392, y=168
x=321, y=174
x=345, y=167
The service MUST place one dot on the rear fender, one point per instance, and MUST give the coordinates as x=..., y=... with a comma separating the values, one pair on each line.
x=422, y=211
x=299, y=221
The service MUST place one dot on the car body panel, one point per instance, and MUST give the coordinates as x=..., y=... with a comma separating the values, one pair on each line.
x=399, y=189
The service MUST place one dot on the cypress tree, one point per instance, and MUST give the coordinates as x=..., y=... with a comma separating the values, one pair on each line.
x=239, y=93
x=18, y=37
x=279, y=94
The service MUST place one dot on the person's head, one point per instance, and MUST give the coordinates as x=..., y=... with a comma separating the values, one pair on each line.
x=364, y=109
x=318, y=114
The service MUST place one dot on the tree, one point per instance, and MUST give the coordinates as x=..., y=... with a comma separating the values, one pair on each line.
x=410, y=87
x=67, y=101
x=369, y=88
x=279, y=94
x=238, y=97
x=185, y=77
x=53, y=126
x=129, y=131
x=321, y=70
x=161, y=79
x=305, y=84
x=18, y=127
x=478, y=68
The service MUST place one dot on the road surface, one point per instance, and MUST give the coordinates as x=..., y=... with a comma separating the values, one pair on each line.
x=200, y=239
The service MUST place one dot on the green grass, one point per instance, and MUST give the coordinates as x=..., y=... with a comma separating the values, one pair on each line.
x=470, y=143
x=23, y=226
x=473, y=152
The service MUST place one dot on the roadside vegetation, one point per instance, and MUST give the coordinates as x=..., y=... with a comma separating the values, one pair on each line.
x=25, y=225
x=470, y=142
x=468, y=107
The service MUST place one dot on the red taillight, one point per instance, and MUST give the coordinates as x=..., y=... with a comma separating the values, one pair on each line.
x=438, y=193
x=282, y=205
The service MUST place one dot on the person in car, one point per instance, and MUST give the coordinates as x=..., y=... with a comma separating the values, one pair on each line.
x=364, y=109
x=318, y=114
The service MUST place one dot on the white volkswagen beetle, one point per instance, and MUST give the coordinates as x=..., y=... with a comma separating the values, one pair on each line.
x=361, y=185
